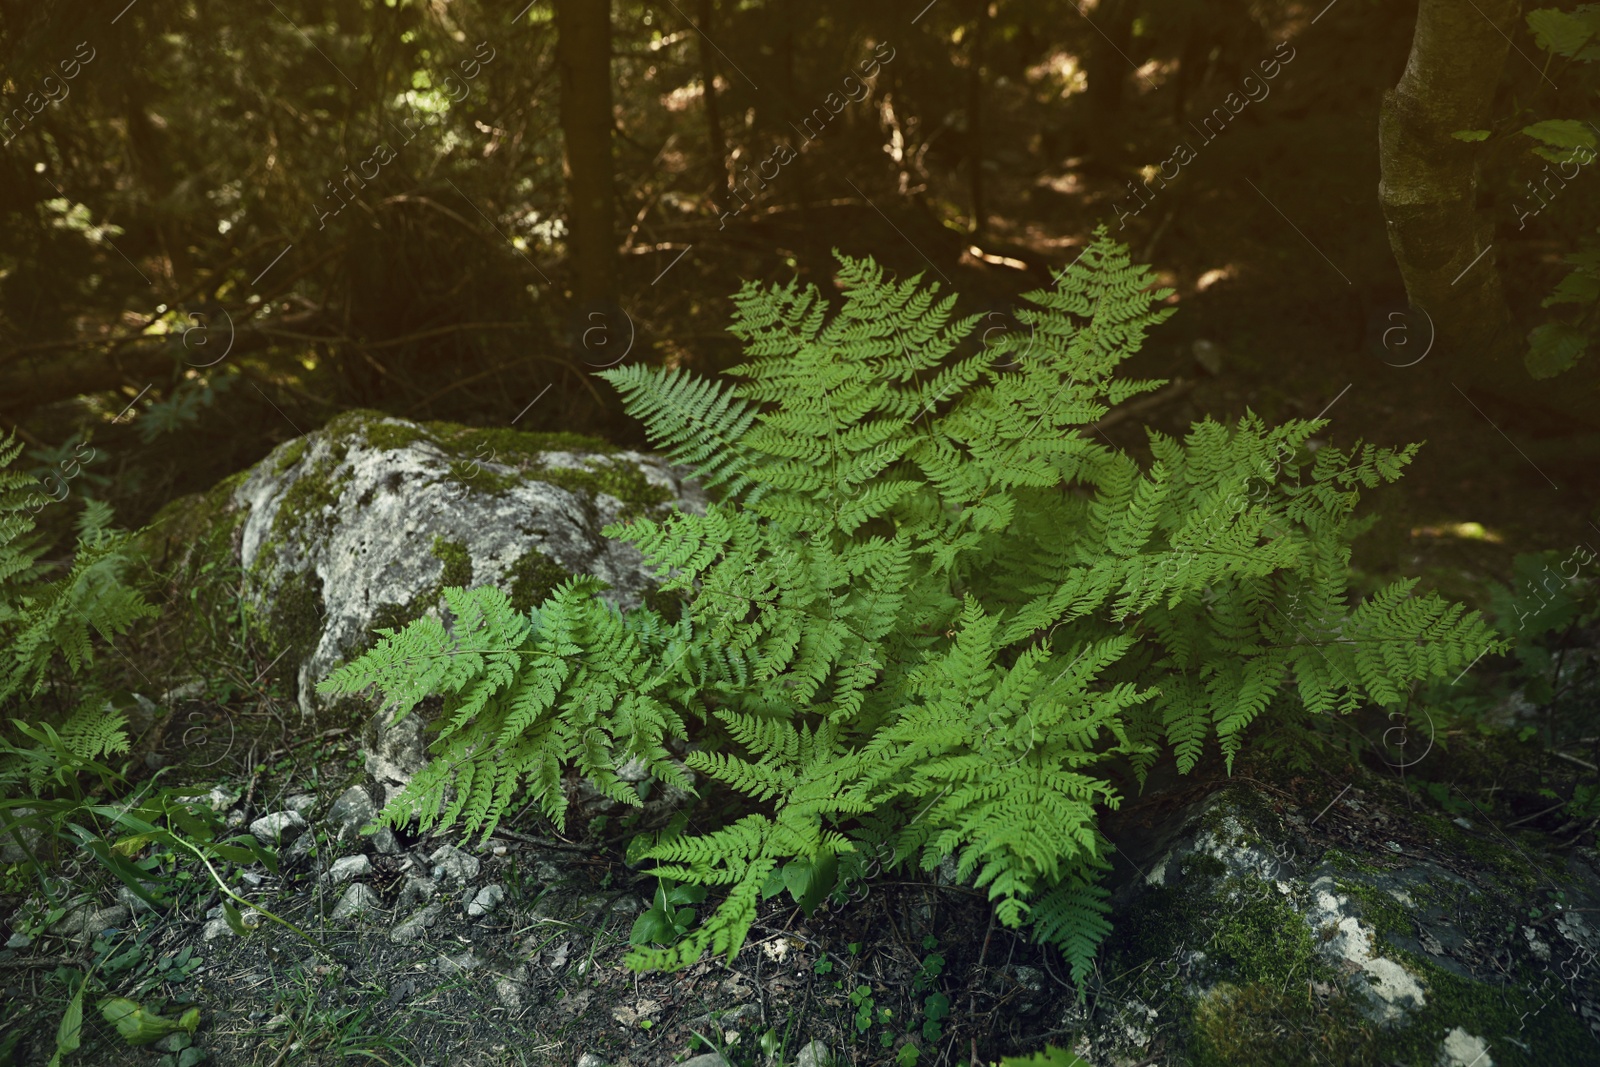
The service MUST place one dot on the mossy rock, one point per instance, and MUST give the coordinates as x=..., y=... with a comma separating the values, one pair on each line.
x=361, y=525
x=1243, y=943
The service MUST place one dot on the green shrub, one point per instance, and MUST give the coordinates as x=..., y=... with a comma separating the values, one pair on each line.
x=928, y=610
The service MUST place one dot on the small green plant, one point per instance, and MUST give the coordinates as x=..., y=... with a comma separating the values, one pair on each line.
x=669, y=915
x=928, y=613
x=139, y=1026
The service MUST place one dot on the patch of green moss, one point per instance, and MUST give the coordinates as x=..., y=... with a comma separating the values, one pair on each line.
x=291, y=455
x=391, y=437
x=291, y=620
x=185, y=563
x=1379, y=909
x=533, y=576
x=623, y=481
x=510, y=445
x=1260, y=1024
x=457, y=563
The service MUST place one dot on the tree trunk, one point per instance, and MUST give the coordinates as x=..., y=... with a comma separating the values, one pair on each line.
x=583, y=54
x=1429, y=183
x=715, y=143
x=1106, y=67
x=975, y=115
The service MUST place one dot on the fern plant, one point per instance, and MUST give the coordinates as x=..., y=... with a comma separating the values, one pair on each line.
x=927, y=611
x=46, y=621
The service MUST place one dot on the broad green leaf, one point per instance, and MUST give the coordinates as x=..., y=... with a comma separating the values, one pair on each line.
x=1572, y=34
x=140, y=1027
x=1554, y=347
x=235, y=920
x=70, y=1030
x=651, y=927
x=1471, y=135
x=1562, y=133
x=1579, y=287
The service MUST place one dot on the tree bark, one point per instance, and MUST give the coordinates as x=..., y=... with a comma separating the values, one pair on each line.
x=1429, y=183
x=583, y=54
x=715, y=142
x=1106, y=67
x=980, y=21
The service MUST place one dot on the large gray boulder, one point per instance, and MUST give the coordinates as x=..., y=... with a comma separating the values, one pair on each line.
x=362, y=524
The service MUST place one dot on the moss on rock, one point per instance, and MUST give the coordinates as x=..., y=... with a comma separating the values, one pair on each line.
x=533, y=577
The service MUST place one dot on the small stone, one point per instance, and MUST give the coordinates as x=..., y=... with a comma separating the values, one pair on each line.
x=300, y=848
x=416, y=891
x=1539, y=948
x=10, y=851
x=413, y=928
x=1209, y=355
x=384, y=843
x=353, y=810
x=347, y=867
x=589, y=1059
x=815, y=1054
x=216, y=928
x=234, y=820
x=488, y=898
x=78, y=912
x=1461, y=1049
x=452, y=864
x=627, y=904
x=459, y=963
x=280, y=826
x=133, y=901
x=221, y=798
x=18, y=940
x=707, y=1059
x=105, y=919
x=358, y=899
x=301, y=803
x=510, y=995
x=1463, y=823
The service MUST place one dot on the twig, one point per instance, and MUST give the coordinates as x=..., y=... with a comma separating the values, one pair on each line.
x=1535, y=815
x=1574, y=759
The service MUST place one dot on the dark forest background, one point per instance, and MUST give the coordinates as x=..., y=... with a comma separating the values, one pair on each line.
x=223, y=223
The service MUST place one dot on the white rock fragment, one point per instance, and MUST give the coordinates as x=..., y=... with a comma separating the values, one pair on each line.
x=357, y=900
x=488, y=898
x=413, y=928
x=814, y=1054
x=347, y=867
x=1461, y=1049
x=216, y=928
x=453, y=865
x=278, y=828
x=353, y=810
x=509, y=993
